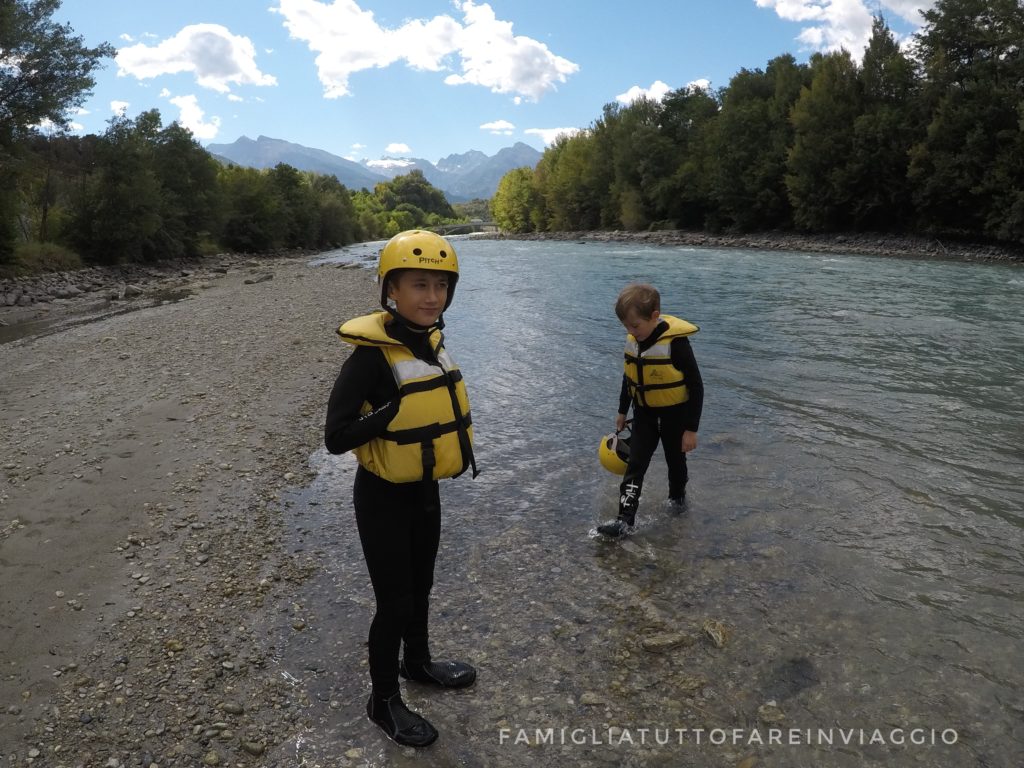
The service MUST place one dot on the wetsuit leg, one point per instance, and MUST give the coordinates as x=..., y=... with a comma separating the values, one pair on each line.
x=642, y=442
x=672, y=444
x=384, y=514
x=426, y=534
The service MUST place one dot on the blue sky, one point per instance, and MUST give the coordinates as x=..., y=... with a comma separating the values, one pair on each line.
x=389, y=78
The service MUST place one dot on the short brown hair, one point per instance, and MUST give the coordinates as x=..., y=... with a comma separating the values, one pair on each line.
x=642, y=298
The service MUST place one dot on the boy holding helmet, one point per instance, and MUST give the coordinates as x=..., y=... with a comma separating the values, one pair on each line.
x=399, y=402
x=663, y=383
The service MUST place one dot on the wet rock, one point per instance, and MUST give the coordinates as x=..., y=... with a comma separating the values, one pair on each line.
x=253, y=748
x=591, y=699
x=769, y=713
x=716, y=632
x=666, y=641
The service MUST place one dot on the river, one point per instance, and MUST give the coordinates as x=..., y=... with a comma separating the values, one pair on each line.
x=854, y=529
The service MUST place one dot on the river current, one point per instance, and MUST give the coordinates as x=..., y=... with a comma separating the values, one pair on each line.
x=849, y=568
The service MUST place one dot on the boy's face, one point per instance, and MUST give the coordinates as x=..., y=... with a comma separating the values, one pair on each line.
x=419, y=295
x=641, y=327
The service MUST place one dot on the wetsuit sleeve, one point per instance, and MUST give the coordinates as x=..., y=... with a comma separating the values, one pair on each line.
x=364, y=377
x=683, y=359
x=624, y=397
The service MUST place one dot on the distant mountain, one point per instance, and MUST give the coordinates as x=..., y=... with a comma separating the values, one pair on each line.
x=391, y=167
x=461, y=177
x=266, y=153
x=480, y=177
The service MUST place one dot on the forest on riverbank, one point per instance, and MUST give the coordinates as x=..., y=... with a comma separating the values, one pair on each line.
x=921, y=137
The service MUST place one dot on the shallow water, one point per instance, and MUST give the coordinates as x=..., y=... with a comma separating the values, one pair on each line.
x=855, y=521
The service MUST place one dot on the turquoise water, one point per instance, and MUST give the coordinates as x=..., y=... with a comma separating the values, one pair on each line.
x=855, y=521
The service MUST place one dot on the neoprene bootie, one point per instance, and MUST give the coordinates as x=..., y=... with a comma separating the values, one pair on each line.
x=618, y=527
x=446, y=674
x=401, y=724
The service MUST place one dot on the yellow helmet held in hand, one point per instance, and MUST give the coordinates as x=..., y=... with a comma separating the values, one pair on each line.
x=614, y=453
x=417, y=249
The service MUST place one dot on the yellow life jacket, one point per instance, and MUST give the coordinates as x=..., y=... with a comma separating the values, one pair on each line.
x=653, y=381
x=431, y=436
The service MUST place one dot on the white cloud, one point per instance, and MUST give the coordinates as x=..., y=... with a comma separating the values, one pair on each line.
x=397, y=149
x=495, y=58
x=164, y=93
x=910, y=10
x=233, y=97
x=656, y=92
x=192, y=117
x=358, y=146
x=80, y=111
x=701, y=83
x=499, y=127
x=483, y=50
x=210, y=51
x=127, y=38
x=835, y=24
x=548, y=135
x=119, y=107
x=47, y=126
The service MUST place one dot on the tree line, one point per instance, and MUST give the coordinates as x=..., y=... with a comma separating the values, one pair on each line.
x=143, y=191
x=926, y=139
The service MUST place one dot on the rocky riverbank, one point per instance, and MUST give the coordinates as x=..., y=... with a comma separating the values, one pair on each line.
x=53, y=295
x=864, y=244
x=142, y=458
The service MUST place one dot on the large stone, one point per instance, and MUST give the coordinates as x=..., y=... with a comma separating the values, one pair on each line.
x=665, y=641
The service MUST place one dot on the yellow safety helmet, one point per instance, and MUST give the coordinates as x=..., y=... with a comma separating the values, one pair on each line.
x=417, y=249
x=614, y=453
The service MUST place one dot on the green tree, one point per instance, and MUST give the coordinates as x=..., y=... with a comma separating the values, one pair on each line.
x=875, y=171
x=570, y=189
x=514, y=201
x=823, y=119
x=413, y=188
x=251, y=210
x=680, y=189
x=118, y=218
x=295, y=221
x=44, y=69
x=967, y=172
x=44, y=72
x=749, y=143
x=190, y=205
x=339, y=224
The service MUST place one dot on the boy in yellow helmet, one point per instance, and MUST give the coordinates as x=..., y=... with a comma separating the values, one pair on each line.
x=663, y=384
x=400, y=404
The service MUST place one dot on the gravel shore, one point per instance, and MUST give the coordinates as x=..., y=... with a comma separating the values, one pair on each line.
x=143, y=454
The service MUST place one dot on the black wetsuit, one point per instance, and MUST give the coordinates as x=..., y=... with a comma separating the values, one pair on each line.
x=399, y=523
x=666, y=424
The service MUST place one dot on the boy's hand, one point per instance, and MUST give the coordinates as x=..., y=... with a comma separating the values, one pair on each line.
x=689, y=441
x=620, y=422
